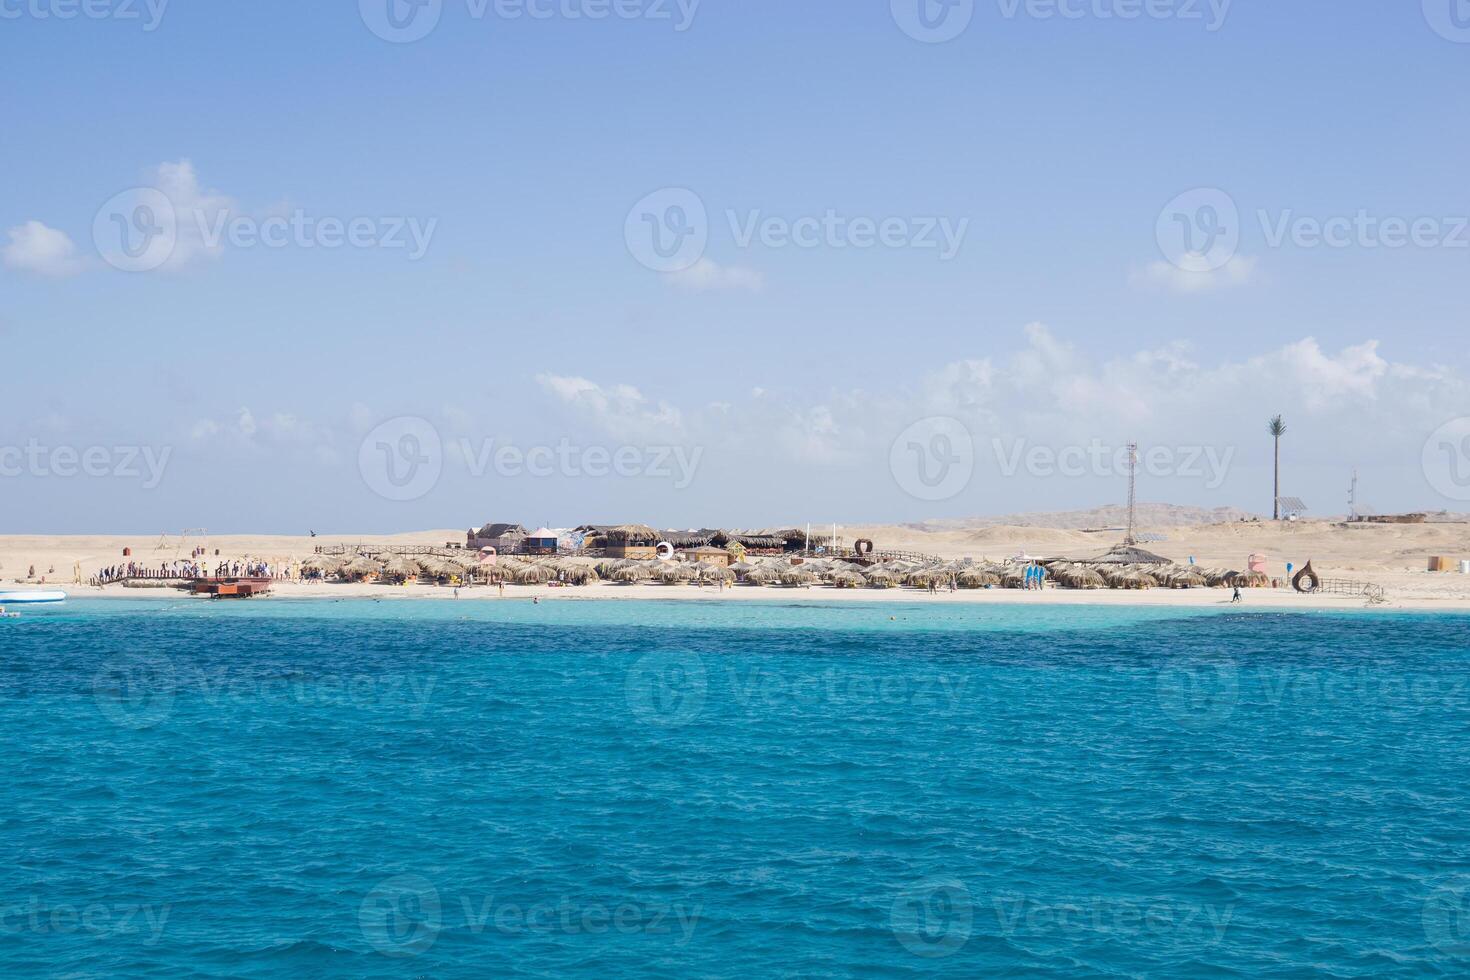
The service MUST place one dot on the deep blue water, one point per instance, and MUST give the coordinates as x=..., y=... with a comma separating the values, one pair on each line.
x=634, y=789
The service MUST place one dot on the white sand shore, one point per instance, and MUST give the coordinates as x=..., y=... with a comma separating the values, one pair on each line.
x=1276, y=599
x=1394, y=557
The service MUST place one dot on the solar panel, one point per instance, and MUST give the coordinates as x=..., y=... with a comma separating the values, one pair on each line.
x=1292, y=505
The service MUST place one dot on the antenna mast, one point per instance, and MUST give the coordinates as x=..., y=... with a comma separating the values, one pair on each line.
x=1353, y=497
x=1132, y=493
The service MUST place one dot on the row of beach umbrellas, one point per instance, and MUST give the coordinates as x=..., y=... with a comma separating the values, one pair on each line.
x=770, y=571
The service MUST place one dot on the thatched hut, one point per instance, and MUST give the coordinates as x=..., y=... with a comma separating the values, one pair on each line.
x=685, y=540
x=753, y=542
x=506, y=539
x=635, y=541
x=709, y=556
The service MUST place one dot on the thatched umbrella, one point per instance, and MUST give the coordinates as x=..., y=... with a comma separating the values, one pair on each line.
x=761, y=577
x=400, y=566
x=531, y=575
x=1078, y=577
x=673, y=573
x=797, y=577
x=1250, y=580
x=628, y=574
x=1013, y=577
x=716, y=573
x=845, y=579
x=1184, y=578
x=743, y=568
x=362, y=565
x=923, y=578
x=977, y=578
x=880, y=578
x=576, y=574
x=325, y=564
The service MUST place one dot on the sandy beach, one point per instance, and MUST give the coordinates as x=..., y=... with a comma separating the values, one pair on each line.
x=1393, y=557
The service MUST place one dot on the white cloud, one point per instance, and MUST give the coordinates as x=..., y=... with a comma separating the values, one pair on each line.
x=41, y=250
x=619, y=410
x=707, y=275
x=201, y=214
x=1165, y=275
x=1344, y=404
x=247, y=428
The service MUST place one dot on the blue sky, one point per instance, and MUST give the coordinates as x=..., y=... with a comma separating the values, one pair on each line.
x=784, y=373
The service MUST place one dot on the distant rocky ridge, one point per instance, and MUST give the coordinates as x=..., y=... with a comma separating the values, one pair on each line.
x=1112, y=516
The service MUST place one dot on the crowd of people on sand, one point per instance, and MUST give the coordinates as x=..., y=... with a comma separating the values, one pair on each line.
x=180, y=569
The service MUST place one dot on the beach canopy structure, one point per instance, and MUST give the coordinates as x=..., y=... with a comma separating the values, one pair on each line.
x=635, y=534
x=1126, y=555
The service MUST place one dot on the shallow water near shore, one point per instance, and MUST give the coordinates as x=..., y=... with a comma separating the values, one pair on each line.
x=629, y=788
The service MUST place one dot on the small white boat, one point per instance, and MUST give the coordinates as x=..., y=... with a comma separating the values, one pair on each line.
x=19, y=597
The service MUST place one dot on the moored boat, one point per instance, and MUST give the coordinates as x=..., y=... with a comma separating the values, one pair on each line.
x=17, y=597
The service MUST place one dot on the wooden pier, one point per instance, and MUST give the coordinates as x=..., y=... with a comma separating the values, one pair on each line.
x=231, y=588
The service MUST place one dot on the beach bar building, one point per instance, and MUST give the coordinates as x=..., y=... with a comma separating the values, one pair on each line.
x=709, y=555
x=636, y=541
x=540, y=542
x=506, y=539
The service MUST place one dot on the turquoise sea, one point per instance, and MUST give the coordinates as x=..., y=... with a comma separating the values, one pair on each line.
x=628, y=789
